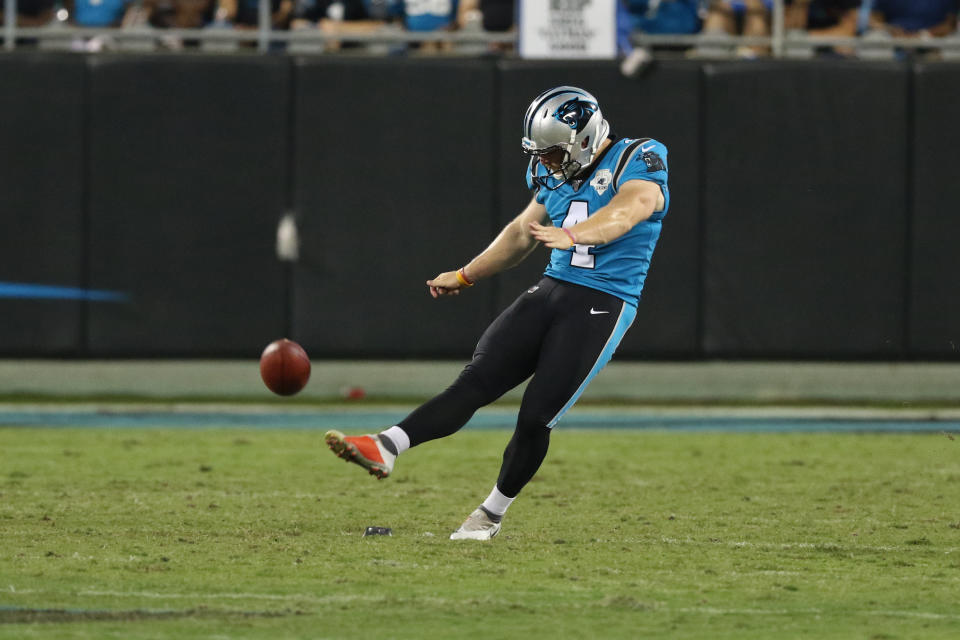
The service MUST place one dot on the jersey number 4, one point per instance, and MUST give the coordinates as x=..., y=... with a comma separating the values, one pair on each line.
x=581, y=257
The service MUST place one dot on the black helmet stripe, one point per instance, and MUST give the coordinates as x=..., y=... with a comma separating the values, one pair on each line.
x=531, y=110
x=538, y=101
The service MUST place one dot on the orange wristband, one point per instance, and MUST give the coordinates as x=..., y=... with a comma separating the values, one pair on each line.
x=462, y=278
x=573, y=239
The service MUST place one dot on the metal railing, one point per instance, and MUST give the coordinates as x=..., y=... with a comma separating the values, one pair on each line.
x=780, y=43
x=262, y=37
x=782, y=46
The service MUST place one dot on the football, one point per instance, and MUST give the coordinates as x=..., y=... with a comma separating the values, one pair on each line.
x=284, y=367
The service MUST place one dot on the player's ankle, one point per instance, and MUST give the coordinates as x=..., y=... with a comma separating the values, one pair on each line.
x=494, y=517
x=395, y=440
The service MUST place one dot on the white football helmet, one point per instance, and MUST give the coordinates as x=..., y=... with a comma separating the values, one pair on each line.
x=564, y=118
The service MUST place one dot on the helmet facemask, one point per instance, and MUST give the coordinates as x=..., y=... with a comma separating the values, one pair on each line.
x=564, y=118
x=567, y=169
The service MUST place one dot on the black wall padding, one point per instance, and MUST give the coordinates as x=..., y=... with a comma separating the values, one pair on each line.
x=805, y=210
x=393, y=163
x=41, y=200
x=813, y=204
x=935, y=256
x=663, y=104
x=187, y=166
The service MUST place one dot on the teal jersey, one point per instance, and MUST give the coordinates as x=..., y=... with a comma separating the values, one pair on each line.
x=618, y=267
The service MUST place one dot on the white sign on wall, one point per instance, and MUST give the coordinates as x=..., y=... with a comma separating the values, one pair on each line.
x=568, y=28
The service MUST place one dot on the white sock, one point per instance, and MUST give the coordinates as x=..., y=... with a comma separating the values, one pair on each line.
x=398, y=437
x=497, y=503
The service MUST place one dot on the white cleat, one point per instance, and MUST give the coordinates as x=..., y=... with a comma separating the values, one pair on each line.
x=478, y=526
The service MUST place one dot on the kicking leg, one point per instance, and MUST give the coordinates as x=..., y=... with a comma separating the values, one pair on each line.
x=505, y=356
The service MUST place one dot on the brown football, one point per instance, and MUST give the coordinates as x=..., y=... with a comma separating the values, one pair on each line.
x=284, y=367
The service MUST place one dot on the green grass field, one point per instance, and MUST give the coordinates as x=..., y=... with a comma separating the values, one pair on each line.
x=227, y=533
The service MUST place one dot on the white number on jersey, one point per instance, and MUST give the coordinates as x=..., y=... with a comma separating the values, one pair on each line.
x=578, y=212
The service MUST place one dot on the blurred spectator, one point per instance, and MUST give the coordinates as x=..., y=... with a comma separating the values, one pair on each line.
x=32, y=13
x=833, y=18
x=651, y=16
x=498, y=15
x=491, y=16
x=245, y=14
x=733, y=17
x=425, y=16
x=429, y=15
x=922, y=19
x=365, y=16
x=102, y=13
x=387, y=11
x=914, y=18
x=827, y=19
x=343, y=17
x=664, y=16
x=179, y=14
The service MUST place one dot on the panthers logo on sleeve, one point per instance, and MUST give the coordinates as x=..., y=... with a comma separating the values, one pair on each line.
x=653, y=161
x=575, y=113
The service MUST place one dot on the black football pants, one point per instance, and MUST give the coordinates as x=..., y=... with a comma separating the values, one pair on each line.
x=560, y=333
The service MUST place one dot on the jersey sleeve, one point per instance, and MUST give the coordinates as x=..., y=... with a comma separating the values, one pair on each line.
x=647, y=161
x=532, y=169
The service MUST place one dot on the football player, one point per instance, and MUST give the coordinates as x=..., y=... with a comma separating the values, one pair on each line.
x=598, y=203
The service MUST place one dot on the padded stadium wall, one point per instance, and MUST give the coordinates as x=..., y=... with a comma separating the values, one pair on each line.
x=813, y=204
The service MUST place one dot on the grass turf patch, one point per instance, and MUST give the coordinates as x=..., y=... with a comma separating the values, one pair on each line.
x=251, y=533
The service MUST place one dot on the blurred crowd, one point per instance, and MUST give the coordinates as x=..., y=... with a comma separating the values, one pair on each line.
x=716, y=20
x=346, y=18
x=822, y=19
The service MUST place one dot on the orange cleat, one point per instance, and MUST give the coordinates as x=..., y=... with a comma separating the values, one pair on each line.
x=366, y=451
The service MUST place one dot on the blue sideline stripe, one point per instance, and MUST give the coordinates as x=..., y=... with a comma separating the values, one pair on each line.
x=49, y=292
x=374, y=420
x=627, y=313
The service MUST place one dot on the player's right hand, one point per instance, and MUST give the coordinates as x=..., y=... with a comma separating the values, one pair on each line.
x=445, y=284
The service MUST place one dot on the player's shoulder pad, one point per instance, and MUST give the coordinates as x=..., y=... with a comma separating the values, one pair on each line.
x=642, y=156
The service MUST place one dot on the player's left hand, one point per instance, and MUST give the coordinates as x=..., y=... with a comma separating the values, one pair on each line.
x=550, y=236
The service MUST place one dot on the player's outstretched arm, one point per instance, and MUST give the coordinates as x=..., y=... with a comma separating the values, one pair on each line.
x=636, y=201
x=509, y=248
